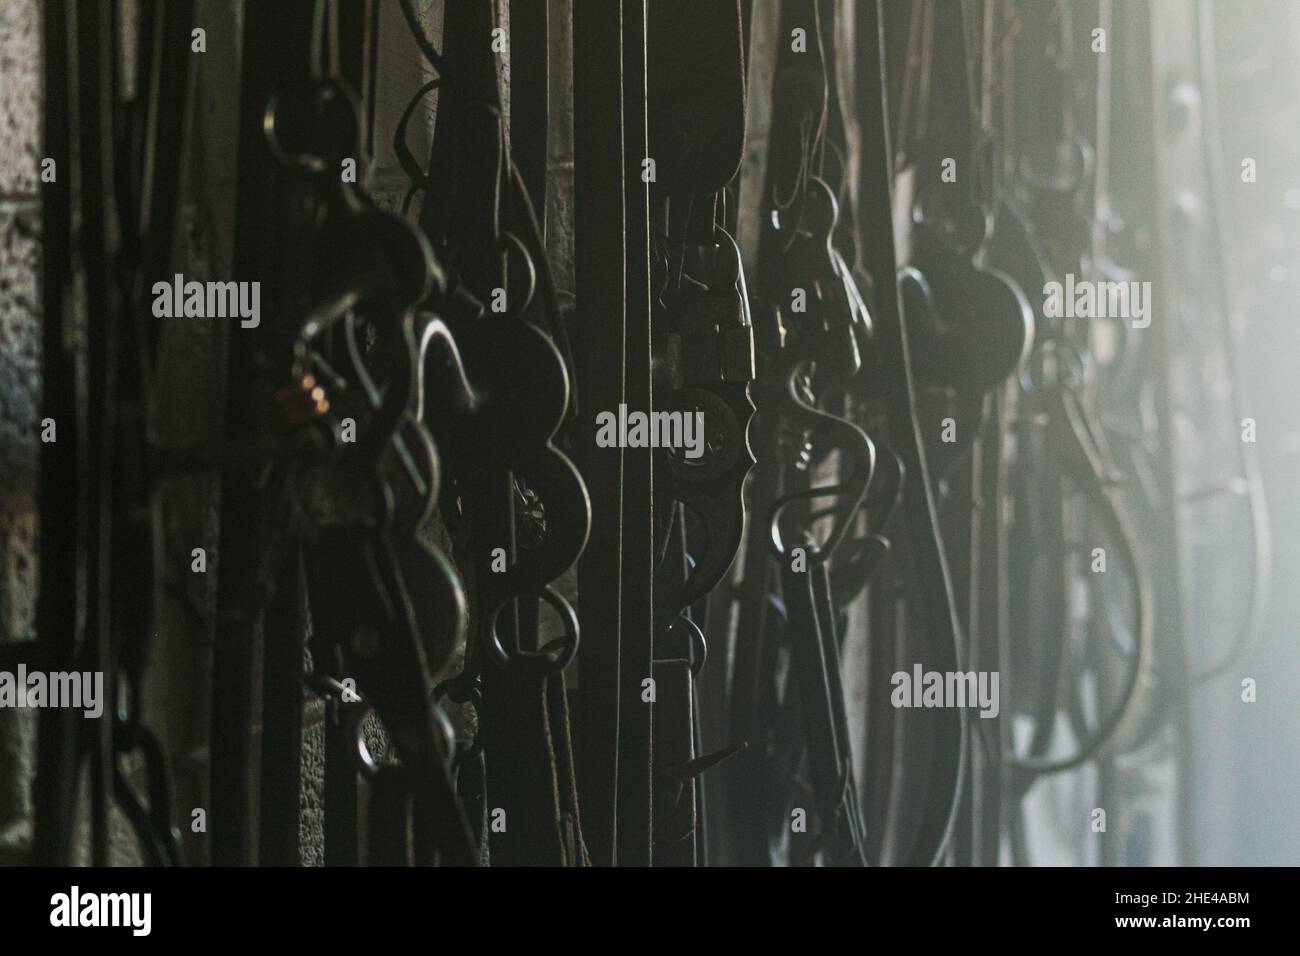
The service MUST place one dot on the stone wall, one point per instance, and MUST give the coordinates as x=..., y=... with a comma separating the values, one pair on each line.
x=20, y=259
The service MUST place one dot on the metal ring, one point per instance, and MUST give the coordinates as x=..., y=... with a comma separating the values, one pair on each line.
x=699, y=646
x=557, y=654
x=1075, y=363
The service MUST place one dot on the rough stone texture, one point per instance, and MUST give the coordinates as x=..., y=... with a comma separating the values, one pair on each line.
x=19, y=401
x=311, y=796
x=20, y=23
x=20, y=97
